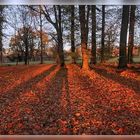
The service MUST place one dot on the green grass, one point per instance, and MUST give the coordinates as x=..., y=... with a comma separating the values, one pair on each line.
x=22, y=63
x=136, y=59
x=115, y=59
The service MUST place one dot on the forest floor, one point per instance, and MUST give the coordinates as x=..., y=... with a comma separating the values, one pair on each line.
x=47, y=99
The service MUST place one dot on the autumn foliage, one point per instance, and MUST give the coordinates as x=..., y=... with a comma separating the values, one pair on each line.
x=48, y=99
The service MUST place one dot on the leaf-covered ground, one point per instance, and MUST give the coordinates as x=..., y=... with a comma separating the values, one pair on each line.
x=47, y=99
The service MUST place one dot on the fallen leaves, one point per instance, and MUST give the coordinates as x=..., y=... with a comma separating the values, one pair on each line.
x=77, y=114
x=47, y=99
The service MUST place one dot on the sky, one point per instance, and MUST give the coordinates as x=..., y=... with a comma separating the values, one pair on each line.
x=69, y=2
x=48, y=27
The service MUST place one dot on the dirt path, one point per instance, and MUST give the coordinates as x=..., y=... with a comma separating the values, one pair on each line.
x=67, y=101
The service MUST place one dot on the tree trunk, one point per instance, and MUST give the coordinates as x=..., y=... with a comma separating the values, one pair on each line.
x=93, y=49
x=17, y=61
x=58, y=27
x=60, y=38
x=41, y=43
x=1, y=46
x=131, y=34
x=26, y=50
x=1, y=33
x=85, y=65
x=103, y=34
x=72, y=32
x=123, y=37
x=139, y=51
x=87, y=23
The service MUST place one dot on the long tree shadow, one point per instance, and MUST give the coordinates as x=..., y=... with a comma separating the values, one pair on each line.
x=130, y=83
x=132, y=68
x=124, y=118
x=18, y=75
x=15, y=69
x=107, y=115
x=56, y=112
x=13, y=94
x=68, y=107
x=120, y=122
x=51, y=106
x=53, y=116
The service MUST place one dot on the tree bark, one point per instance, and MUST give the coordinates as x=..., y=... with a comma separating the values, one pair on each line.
x=123, y=37
x=57, y=25
x=1, y=45
x=60, y=39
x=26, y=51
x=41, y=43
x=85, y=65
x=26, y=45
x=87, y=24
x=72, y=32
x=131, y=34
x=1, y=33
x=103, y=34
x=93, y=49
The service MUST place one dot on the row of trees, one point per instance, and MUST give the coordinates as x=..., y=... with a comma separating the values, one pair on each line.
x=29, y=35
x=123, y=59
x=90, y=26
x=128, y=17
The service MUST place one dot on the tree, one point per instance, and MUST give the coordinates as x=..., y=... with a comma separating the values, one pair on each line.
x=18, y=46
x=85, y=65
x=87, y=23
x=131, y=33
x=25, y=18
x=57, y=24
x=39, y=27
x=93, y=48
x=72, y=32
x=123, y=37
x=18, y=43
x=103, y=34
x=41, y=42
x=60, y=38
x=1, y=33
